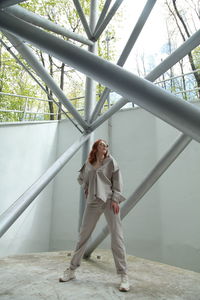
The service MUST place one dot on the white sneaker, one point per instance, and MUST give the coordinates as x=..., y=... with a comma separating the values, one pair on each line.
x=67, y=275
x=124, y=285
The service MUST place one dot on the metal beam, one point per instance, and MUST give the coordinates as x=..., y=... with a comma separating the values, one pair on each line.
x=90, y=87
x=144, y=187
x=33, y=61
x=175, y=57
x=126, y=51
x=17, y=208
x=6, y=3
x=103, y=14
x=37, y=20
x=83, y=18
x=37, y=81
x=119, y=104
x=109, y=16
x=180, y=114
x=90, y=97
x=136, y=32
x=165, y=65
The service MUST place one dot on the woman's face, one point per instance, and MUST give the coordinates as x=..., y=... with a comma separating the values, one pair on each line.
x=102, y=148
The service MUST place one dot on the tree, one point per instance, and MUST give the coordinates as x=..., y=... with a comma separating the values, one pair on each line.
x=184, y=20
x=69, y=80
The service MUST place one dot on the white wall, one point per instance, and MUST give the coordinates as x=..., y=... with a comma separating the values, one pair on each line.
x=64, y=230
x=165, y=224
x=26, y=151
x=180, y=203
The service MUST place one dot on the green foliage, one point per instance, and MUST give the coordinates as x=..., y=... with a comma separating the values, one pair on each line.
x=196, y=55
x=15, y=80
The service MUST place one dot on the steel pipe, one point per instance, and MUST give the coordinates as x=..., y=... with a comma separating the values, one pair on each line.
x=90, y=97
x=37, y=81
x=119, y=104
x=109, y=16
x=43, y=74
x=136, y=31
x=103, y=14
x=90, y=86
x=37, y=20
x=17, y=208
x=100, y=104
x=181, y=115
x=175, y=57
x=163, y=67
x=83, y=18
x=180, y=144
x=6, y=3
x=126, y=51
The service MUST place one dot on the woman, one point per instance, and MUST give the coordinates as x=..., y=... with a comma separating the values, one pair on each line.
x=101, y=180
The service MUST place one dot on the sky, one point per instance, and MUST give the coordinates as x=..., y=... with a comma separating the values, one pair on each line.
x=153, y=35
x=151, y=39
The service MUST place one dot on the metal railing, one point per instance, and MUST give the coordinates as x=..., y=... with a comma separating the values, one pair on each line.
x=34, y=111
x=24, y=111
x=183, y=85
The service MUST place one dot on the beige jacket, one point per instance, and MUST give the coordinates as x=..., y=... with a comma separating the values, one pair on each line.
x=104, y=182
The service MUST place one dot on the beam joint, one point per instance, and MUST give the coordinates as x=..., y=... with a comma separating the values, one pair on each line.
x=108, y=18
x=103, y=14
x=180, y=114
x=43, y=74
x=126, y=51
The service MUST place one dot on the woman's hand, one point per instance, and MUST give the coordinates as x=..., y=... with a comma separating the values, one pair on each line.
x=115, y=207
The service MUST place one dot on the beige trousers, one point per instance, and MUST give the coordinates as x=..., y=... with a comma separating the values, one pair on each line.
x=91, y=215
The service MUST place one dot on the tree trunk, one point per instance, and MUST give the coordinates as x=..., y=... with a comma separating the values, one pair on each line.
x=1, y=65
x=50, y=94
x=62, y=73
x=191, y=60
x=183, y=80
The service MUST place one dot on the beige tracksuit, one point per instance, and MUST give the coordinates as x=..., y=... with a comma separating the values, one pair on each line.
x=104, y=185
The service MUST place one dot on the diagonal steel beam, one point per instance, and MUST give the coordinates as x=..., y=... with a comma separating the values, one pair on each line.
x=109, y=16
x=145, y=186
x=180, y=114
x=17, y=208
x=43, y=74
x=163, y=67
x=126, y=51
x=6, y=3
x=83, y=18
x=176, y=56
x=37, y=81
x=119, y=104
x=37, y=20
x=136, y=31
x=103, y=14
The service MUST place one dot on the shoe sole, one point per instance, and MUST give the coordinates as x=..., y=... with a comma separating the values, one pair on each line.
x=62, y=280
x=124, y=290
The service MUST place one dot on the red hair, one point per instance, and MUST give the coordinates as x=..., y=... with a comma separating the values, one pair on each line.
x=92, y=156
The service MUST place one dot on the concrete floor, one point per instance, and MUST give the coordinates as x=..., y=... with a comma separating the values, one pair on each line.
x=35, y=277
